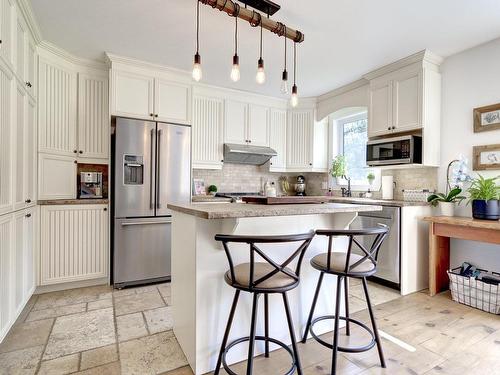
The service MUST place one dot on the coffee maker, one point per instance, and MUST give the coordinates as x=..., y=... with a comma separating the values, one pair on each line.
x=90, y=185
x=300, y=186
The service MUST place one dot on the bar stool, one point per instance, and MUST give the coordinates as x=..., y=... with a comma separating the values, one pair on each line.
x=262, y=278
x=345, y=265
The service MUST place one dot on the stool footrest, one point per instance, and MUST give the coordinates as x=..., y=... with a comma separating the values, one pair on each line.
x=357, y=349
x=258, y=338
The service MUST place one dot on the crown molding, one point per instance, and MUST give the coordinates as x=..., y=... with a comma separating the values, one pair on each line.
x=27, y=12
x=343, y=89
x=424, y=56
x=52, y=48
x=117, y=59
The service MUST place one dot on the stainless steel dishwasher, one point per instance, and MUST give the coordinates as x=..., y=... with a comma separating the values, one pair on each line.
x=389, y=256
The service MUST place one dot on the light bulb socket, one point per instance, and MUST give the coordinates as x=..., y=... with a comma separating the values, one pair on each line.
x=236, y=60
x=294, y=90
x=284, y=75
x=261, y=63
x=197, y=58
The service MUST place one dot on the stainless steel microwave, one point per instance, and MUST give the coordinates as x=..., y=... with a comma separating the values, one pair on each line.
x=406, y=149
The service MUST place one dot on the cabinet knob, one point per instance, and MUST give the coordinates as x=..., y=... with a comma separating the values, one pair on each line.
x=249, y=141
x=105, y=208
x=310, y=163
x=27, y=201
x=75, y=162
x=393, y=127
x=81, y=152
x=28, y=215
x=152, y=114
x=222, y=161
x=156, y=115
x=389, y=128
x=74, y=151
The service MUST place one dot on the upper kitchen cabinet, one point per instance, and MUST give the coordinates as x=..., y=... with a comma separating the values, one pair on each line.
x=246, y=123
x=7, y=23
x=405, y=96
x=172, y=101
x=132, y=95
x=207, y=132
x=307, y=142
x=7, y=134
x=277, y=139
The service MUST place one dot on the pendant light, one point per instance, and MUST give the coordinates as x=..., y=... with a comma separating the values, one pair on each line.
x=261, y=75
x=284, y=76
x=294, y=101
x=197, y=74
x=235, y=70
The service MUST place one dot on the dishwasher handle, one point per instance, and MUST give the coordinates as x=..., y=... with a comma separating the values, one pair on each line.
x=146, y=223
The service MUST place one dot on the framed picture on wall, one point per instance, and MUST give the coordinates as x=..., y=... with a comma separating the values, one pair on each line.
x=486, y=157
x=487, y=118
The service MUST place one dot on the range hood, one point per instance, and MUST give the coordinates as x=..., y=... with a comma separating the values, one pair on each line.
x=247, y=154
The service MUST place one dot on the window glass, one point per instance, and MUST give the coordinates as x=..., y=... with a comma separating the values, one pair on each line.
x=355, y=136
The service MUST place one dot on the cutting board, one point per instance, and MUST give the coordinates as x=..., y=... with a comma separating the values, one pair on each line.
x=284, y=200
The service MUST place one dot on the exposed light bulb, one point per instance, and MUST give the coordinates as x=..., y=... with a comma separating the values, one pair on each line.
x=261, y=74
x=235, y=70
x=294, y=100
x=197, y=74
x=284, y=82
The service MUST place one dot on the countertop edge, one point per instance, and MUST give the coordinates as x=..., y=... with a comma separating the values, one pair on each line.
x=56, y=202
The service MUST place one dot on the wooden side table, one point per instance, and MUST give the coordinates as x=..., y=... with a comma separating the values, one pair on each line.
x=443, y=228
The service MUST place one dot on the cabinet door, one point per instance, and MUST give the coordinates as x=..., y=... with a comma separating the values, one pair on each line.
x=172, y=101
x=6, y=273
x=31, y=67
x=277, y=140
x=29, y=261
x=18, y=260
x=30, y=152
x=74, y=243
x=299, y=140
x=380, y=111
x=7, y=19
x=258, y=128
x=207, y=132
x=407, y=101
x=56, y=176
x=93, y=119
x=19, y=193
x=320, y=146
x=20, y=49
x=235, y=129
x=56, y=109
x=7, y=134
x=132, y=95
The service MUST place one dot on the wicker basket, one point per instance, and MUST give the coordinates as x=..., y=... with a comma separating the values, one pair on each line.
x=475, y=293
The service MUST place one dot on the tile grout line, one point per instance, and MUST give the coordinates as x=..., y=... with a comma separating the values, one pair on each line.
x=117, y=343
x=145, y=323
x=45, y=347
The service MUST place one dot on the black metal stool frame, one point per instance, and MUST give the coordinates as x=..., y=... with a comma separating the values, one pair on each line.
x=253, y=287
x=370, y=255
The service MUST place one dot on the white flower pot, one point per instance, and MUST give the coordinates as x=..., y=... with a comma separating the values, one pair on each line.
x=447, y=208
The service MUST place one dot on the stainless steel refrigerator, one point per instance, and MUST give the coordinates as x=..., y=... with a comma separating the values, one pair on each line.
x=152, y=166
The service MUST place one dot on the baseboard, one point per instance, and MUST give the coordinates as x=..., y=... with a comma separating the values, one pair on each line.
x=71, y=285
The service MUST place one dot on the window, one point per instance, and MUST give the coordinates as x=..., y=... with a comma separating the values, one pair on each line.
x=351, y=136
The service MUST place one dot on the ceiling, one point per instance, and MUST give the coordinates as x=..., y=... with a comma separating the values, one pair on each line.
x=343, y=38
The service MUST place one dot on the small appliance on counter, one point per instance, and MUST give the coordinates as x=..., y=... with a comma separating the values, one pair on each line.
x=91, y=186
x=300, y=186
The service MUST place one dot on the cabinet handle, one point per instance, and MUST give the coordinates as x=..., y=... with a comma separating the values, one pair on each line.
x=28, y=215
x=27, y=201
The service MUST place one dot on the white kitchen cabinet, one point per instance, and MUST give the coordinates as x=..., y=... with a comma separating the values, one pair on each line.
x=407, y=100
x=6, y=273
x=380, y=117
x=246, y=123
x=172, y=101
x=31, y=67
x=20, y=49
x=7, y=20
x=7, y=134
x=93, y=120
x=20, y=144
x=57, y=108
x=207, y=132
x=277, y=139
x=56, y=176
x=74, y=243
x=132, y=95
x=30, y=155
x=258, y=125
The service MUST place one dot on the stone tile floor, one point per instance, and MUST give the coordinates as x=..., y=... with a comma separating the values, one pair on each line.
x=98, y=330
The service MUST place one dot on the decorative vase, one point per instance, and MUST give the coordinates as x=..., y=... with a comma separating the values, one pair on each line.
x=447, y=208
x=486, y=210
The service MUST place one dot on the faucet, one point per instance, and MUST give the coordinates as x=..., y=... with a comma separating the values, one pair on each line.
x=347, y=192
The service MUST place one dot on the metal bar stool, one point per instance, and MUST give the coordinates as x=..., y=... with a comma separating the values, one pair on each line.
x=262, y=278
x=345, y=265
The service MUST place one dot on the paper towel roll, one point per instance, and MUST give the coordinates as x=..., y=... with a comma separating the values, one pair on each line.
x=387, y=187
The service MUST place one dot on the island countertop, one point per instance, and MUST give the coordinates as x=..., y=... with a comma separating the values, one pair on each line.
x=240, y=210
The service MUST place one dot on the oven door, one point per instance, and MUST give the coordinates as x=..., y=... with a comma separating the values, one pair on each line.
x=390, y=151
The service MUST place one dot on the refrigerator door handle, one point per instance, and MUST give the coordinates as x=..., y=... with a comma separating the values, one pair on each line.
x=146, y=223
x=158, y=168
x=151, y=168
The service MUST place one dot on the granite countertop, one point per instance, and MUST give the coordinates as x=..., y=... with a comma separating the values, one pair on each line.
x=208, y=198
x=240, y=210
x=47, y=202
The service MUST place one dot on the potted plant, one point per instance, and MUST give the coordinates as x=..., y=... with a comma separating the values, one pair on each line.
x=212, y=189
x=370, y=177
x=339, y=168
x=446, y=202
x=484, y=195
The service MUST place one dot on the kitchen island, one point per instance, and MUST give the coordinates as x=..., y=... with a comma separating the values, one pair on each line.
x=201, y=299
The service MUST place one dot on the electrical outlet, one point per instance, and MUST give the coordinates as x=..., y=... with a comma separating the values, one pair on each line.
x=324, y=185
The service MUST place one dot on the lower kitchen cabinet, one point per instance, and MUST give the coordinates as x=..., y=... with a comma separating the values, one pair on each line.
x=57, y=176
x=74, y=243
x=17, y=264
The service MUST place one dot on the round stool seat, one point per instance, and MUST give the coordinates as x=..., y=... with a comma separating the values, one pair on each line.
x=279, y=281
x=338, y=263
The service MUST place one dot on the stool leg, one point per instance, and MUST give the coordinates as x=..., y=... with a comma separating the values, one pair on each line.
x=311, y=313
x=228, y=328
x=266, y=324
x=336, y=327
x=346, y=291
x=292, y=334
x=251, y=341
x=374, y=325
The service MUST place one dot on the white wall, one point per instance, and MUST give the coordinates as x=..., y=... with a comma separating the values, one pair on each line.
x=470, y=79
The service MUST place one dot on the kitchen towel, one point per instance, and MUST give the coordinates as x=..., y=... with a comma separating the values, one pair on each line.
x=387, y=187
